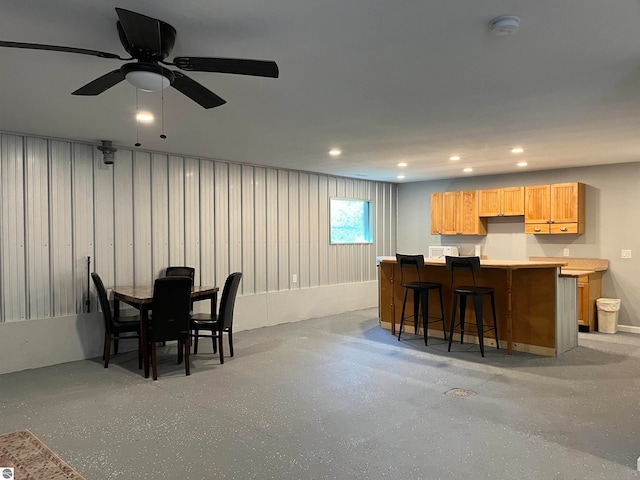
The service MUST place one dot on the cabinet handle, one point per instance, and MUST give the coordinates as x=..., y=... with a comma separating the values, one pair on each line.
x=551, y=221
x=563, y=229
x=537, y=229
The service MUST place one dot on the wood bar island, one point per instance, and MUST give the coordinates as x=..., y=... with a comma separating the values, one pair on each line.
x=535, y=306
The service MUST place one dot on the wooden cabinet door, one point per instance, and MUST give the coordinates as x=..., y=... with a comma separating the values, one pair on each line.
x=537, y=204
x=512, y=201
x=471, y=223
x=564, y=202
x=450, y=217
x=436, y=213
x=583, y=301
x=489, y=203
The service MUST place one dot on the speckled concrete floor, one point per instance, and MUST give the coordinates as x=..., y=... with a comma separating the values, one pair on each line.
x=339, y=398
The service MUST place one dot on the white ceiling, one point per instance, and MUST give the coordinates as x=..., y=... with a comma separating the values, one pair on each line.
x=385, y=81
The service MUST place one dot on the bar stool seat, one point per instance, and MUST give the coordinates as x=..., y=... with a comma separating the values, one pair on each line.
x=477, y=293
x=420, y=289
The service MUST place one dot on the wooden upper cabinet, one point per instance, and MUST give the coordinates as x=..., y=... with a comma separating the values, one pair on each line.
x=460, y=214
x=554, y=209
x=498, y=202
x=436, y=213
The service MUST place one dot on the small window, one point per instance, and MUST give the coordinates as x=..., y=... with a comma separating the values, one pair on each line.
x=350, y=221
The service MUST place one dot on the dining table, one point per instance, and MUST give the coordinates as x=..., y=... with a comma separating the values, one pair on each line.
x=141, y=298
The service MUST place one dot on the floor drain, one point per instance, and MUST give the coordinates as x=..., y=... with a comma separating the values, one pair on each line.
x=460, y=392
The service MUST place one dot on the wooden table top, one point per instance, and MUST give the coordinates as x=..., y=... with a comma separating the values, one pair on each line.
x=144, y=293
x=506, y=264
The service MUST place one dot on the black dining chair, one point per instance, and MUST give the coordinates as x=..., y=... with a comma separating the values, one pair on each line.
x=170, y=321
x=115, y=327
x=223, y=322
x=181, y=272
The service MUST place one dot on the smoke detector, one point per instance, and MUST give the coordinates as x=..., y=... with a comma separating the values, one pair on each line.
x=504, y=25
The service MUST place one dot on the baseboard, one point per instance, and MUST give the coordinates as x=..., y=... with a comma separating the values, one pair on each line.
x=629, y=329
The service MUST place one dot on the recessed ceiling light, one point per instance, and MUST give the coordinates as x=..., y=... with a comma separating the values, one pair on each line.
x=517, y=150
x=402, y=164
x=521, y=164
x=144, y=117
x=454, y=157
x=335, y=152
x=401, y=176
x=467, y=170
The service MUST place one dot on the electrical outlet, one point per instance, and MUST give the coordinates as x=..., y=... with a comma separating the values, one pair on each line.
x=294, y=278
x=625, y=253
x=565, y=252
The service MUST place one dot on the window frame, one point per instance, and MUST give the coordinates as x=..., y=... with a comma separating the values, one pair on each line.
x=367, y=221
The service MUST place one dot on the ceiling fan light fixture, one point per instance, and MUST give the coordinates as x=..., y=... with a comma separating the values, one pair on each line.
x=149, y=77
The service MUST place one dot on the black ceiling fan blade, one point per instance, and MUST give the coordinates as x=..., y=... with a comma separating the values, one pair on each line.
x=196, y=92
x=101, y=84
x=144, y=34
x=58, y=48
x=239, y=66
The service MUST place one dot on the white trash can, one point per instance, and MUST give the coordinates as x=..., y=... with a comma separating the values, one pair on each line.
x=608, y=309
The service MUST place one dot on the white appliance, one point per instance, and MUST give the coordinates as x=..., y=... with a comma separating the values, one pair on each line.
x=442, y=251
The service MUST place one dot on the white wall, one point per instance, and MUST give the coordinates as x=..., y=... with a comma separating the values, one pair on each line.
x=612, y=224
x=59, y=205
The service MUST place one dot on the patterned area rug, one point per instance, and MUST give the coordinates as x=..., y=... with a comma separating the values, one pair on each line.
x=31, y=459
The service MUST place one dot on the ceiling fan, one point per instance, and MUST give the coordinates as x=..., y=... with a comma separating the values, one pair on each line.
x=149, y=41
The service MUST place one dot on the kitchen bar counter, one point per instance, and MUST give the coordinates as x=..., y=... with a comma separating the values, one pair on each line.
x=536, y=307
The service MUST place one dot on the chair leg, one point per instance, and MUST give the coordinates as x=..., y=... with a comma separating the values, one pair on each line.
x=195, y=340
x=416, y=310
x=187, y=362
x=220, y=346
x=154, y=360
x=477, y=306
x=424, y=300
x=463, y=315
x=404, y=305
x=495, y=322
x=107, y=349
x=453, y=320
x=180, y=346
x=139, y=352
x=213, y=341
x=116, y=341
x=444, y=326
x=230, y=342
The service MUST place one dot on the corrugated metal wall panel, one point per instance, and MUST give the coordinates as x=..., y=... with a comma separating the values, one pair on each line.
x=283, y=230
x=83, y=226
x=13, y=281
x=61, y=214
x=303, y=228
x=248, y=267
x=142, y=234
x=273, y=270
x=207, y=230
x=192, y=216
x=323, y=229
x=104, y=216
x=222, y=222
x=38, y=229
x=294, y=229
x=60, y=204
x=123, y=216
x=260, y=222
x=314, y=232
x=159, y=214
x=176, y=211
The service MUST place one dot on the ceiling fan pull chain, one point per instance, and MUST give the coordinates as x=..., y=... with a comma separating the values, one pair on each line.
x=137, y=122
x=162, y=135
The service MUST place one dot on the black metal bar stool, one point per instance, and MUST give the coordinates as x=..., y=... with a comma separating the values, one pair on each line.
x=420, y=289
x=471, y=264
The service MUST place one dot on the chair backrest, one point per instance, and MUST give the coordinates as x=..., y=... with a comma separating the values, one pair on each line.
x=229, y=293
x=171, y=306
x=409, y=263
x=104, y=301
x=471, y=264
x=181, y=272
